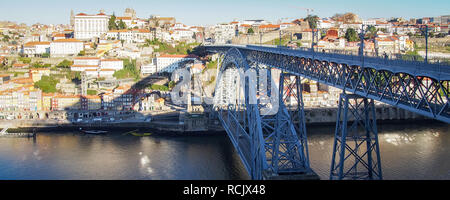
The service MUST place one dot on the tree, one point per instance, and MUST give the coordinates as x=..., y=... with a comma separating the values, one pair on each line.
x=112, y=23
x=46, y=55
x=250, y=31
x=82, y=53
x=64, y=64
x=121, y=25
x=371, y=32
x=47, y=84
x=351, y=35
x=312, y=21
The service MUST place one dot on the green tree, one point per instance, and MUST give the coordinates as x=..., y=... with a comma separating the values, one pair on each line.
x=371, y=32
x=82, y=53
x=64, y=64
x=312, y=20
x=47, y=84
x=91, y=92
x=351, y=35
x=121, y=25
x=112, y=23
x=250, y=31
x=45, y=55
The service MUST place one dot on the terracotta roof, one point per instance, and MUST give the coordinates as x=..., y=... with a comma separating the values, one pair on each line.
x=22, y=80
x=123, y=18
x=20, y=65
x=118, y=31
x=31, y=44
x=68, y=40
x=269, y=26
x=60, y=35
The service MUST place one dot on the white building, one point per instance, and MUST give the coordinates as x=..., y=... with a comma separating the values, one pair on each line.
x=169, y=63
x=66, y=47
x=114, y=64
x=224, y=33
x=90, y=26
x=148, y=69
x=36, y=48
x=130, y=36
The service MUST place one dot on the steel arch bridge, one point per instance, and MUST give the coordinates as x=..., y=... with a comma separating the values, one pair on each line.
x=273, y=145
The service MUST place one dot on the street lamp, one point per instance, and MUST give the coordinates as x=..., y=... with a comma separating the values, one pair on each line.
x=280, y=37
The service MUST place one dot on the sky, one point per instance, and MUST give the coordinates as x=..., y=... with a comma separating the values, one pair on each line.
x=208, y=12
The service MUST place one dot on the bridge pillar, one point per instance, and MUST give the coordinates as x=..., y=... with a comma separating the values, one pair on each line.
x=356, y=152
x=289, y=147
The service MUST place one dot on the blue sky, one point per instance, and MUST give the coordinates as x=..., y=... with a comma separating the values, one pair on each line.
x=204, y=12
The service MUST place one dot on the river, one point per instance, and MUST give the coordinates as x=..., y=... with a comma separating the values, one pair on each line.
x=408, y=151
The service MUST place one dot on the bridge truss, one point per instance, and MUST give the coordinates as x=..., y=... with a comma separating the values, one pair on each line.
x=276, y=144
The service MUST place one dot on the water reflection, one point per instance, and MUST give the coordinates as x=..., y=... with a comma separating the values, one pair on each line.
x=408, y=151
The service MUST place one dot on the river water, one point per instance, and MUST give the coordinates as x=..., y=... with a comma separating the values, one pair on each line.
x=408, y=151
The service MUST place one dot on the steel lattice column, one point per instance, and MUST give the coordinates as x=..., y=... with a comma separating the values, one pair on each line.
x=290, y=151
x=356, y=152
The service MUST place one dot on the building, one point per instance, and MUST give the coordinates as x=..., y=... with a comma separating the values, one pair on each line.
x=4, y=78
x=114, y=64
x=90, y=26
x=130, y=36
x=66, y=102
x=224, y=33
x=91, y=102
x=148, y=69
x=96, y=67
x=169, y=63
x=36, y=48
x=66, y=47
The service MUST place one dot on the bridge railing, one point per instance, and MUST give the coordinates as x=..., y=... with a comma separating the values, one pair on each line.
x=441, y=70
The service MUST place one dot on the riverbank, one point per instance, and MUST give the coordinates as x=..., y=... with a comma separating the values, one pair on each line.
x=202, y=123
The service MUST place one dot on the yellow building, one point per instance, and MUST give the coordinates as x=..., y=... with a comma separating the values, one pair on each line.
x=47, y=101
x=66, y=102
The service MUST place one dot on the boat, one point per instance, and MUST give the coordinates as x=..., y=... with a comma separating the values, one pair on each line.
x=93, y=132
x=4, y=134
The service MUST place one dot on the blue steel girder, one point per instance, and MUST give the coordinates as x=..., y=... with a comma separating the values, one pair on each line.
x=356, y=153
x=265, y=143
x=416, y=87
